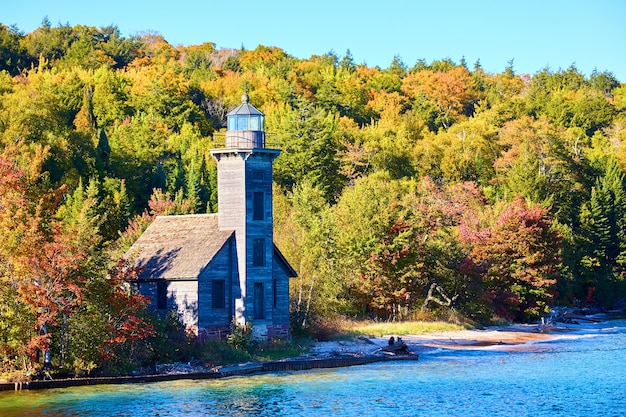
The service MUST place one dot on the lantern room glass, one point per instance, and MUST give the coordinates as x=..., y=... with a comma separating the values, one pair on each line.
x=245, y=122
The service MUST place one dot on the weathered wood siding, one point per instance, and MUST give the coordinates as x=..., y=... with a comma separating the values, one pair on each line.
x=259, y=180
x=231, y=190
x=222, y=267
x=281, y=312
x=241, y=174
x=182, y=297
x=231, y=201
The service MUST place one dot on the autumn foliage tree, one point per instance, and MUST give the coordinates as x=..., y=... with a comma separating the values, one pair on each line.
x=412, y=259
x=401, y=181
x=394, y=274
x=516, y=255
x=109, y=324
x=45, y=282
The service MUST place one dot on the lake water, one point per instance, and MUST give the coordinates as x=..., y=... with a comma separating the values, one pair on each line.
x=581, y=373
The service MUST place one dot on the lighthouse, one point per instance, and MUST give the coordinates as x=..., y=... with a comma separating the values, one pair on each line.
x=213, y=269
x=244, y=198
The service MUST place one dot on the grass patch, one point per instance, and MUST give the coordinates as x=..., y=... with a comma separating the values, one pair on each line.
x=378, y=329
x=279, y=349
x=219, y=352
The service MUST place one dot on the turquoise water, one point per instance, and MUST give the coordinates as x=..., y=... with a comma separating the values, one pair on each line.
x=581, y=373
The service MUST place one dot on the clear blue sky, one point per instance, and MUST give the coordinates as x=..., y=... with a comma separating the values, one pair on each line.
x=535, y=34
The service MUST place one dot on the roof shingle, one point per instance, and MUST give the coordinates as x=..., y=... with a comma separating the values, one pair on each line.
x=178, y=247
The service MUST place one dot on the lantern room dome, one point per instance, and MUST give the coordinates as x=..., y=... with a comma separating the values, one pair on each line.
x=245, y=116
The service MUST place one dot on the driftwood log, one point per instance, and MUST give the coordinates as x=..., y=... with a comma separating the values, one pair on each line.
x=396, y=346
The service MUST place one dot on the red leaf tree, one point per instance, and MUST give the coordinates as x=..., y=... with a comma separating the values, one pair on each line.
x=123, y=321
x=517, y=257
x=394, y=274
x=49, y=276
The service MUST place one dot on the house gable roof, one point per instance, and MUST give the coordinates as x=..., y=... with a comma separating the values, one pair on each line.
x=178, y=247
x=284, y=264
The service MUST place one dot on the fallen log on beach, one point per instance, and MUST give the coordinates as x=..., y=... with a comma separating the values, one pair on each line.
x=567, y=316
x=396, y=346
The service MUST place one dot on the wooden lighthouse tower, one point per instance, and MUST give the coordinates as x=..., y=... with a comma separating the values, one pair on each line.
x=244, y=178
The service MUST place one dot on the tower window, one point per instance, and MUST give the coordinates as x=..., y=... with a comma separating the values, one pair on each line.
x=218, y=294
x=258, y=252
x=259, y=301
x=258, y=206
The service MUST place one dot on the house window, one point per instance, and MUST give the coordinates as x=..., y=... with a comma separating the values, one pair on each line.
x=259, y=301
x=218, y=294
x=258, y=175
x=258, y=206
x=258, y=252
x=161, y=295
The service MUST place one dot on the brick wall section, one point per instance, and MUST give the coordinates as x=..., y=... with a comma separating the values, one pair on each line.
x=278, y=330
x=220, y=332
x=213, y=332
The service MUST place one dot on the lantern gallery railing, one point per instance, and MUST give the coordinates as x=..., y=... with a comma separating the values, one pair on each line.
x=245, y=139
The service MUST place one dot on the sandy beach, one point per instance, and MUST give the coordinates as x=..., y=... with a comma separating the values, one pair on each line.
x=510, y=338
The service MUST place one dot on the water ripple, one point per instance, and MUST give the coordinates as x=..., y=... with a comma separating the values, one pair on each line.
x=576, y=374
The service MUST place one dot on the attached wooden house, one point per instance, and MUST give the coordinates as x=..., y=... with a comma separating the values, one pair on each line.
x=215, y=268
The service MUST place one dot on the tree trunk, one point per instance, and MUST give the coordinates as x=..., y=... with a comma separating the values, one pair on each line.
x=430, y=297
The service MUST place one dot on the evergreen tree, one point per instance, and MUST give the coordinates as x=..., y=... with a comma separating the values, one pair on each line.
x=309, y=142
x=603, y=221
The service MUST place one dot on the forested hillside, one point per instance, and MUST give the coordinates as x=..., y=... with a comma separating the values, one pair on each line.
x=421, y=187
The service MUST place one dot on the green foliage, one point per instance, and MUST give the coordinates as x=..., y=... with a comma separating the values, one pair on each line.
x=219, y=352
x=380, y=172
x=567, y=100
x=364, y=214
x=170, y=342
x=240, y=337
x=13, y=57
x=307, y=236
x=308, y=138
x=603, y=238
x=83, y=46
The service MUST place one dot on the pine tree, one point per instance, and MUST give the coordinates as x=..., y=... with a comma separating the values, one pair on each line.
x=603, y=237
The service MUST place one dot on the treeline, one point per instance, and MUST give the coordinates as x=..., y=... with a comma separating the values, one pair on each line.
x=431, y=188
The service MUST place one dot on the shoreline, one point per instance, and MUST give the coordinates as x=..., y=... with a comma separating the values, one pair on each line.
x=290, y=364
x=514, y=337
x=343, y=353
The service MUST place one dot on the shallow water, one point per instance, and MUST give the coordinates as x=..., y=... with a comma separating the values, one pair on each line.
x=581, y=373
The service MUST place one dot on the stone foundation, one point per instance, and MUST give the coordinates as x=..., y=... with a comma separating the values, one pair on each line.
x=263, y=332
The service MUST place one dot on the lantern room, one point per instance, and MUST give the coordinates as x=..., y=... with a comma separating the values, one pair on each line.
x=245, y=126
